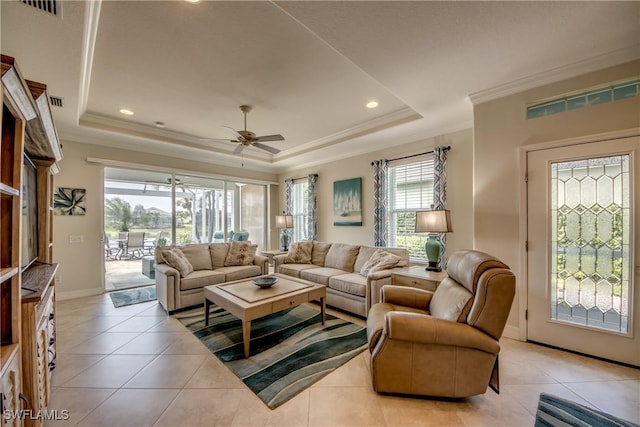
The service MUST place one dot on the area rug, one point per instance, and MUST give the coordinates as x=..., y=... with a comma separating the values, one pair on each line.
x=555, y=411
x=133, y=296
x=289, y=351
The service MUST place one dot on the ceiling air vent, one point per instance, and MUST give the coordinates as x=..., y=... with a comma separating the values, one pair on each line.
x=49, y=6
x=56, y=101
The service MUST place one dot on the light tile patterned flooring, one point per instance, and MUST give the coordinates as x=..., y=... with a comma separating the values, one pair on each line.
x=136, y=366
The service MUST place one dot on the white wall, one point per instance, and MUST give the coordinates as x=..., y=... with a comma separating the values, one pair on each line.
x=81, y=270
x=501, y=129
x=459, y=189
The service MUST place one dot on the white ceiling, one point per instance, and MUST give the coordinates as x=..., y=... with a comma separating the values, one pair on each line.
x=307, y=68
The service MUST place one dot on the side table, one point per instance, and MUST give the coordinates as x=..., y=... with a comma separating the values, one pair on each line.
x=271, y=253
x=418, y=277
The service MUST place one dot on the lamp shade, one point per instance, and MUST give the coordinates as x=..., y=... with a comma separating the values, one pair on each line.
x=284, y=221
x=433, y=221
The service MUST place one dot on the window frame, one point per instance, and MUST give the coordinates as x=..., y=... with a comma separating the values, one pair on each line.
x=299, y=209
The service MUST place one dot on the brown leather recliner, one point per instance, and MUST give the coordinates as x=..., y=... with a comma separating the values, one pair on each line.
x=442, y=343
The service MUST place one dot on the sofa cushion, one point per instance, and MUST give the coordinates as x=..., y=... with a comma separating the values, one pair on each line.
x=319, y=253
x=240, y=253
x=341, y=256
x=176, y=259
x=364, y=255
x=380, y=260
x=218, y=253
x=199, y=257
x=451, y=301
x=352, y=283
x=294, y=269
x=300, y=253
x=320, y=275
x=200, y=279
x=238, y=272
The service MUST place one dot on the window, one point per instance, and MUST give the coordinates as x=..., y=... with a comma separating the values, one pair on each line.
x=410, y=189
x=299, y=202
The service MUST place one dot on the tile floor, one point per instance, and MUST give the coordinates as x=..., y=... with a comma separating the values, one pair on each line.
x=136, y=366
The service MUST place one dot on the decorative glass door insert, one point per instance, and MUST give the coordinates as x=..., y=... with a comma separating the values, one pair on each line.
x=590, y=243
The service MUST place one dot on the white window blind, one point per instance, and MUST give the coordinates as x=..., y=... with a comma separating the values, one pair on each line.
x=299, y=198
x=410, y=189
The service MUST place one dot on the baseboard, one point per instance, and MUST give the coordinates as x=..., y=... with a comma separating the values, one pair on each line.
x=60, y=296
x=512, y=332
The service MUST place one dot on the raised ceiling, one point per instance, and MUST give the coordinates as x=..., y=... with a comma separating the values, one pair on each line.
x=307, y=68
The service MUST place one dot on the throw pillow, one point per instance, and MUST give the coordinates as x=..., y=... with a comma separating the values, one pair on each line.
x=240, y=253
x=299, y=253
x=176, y=259
x=380, y=260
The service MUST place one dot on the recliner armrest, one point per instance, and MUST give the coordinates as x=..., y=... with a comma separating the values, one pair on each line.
x=406, y=296
x=424, y=329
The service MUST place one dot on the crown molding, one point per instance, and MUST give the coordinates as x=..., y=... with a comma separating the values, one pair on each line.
x=595, y=63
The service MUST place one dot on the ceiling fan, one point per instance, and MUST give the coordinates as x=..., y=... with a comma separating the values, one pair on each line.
x=245, y=138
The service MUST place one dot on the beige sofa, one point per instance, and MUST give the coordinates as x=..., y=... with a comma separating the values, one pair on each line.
x=338, y=266
x=176, y=290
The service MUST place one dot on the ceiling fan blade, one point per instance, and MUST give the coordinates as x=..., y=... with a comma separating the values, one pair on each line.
x=238, y=149
x=234, y=132
x=266, y=148
x=212, y=140
x=277, y=137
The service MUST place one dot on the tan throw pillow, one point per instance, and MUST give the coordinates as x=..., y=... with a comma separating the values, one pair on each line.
x=299, y=253
x=176, y=259
x=380, y=260
x=240, y=253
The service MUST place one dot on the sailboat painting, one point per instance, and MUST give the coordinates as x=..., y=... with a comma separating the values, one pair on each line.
x=347, y=202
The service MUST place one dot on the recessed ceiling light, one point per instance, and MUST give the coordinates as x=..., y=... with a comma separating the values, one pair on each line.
x=126, y=112
x=159, y=124
x=372, y=104
x=192, y=1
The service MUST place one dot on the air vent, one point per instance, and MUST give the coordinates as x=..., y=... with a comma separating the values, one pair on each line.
x=49, y=6
x=56, y=101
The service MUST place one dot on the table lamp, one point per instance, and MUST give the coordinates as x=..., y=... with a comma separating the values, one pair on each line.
x=284, y=223
x=433, y=222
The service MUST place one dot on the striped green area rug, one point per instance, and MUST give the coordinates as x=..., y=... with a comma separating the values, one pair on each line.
x=133, y=296
x=290, y=349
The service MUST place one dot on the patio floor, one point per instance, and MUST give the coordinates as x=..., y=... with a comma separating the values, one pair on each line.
x=123, y=274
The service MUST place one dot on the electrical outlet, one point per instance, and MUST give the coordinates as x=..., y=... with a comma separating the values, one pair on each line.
x=58, y=278
x=76, y=238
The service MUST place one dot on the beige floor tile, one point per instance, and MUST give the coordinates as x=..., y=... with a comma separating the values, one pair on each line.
x=253, y=412
x=150, y=343
x=213, y=374
x=491, y=409
x=187, y=344
x=76, y=402
x=528, y=395
x=131, y=310
x=154, y=310
x=127, y=408
x=354, y=373
x=113, y=371
x=169, y=324
x=105, y=343
x=137, y=324
x=335, y=406
x=168, y=371
x=522, y=373
x=66, y=340
x=416, y=411
x=619, y=398
x=70, y=365
x=202, y=408
x=98, y=324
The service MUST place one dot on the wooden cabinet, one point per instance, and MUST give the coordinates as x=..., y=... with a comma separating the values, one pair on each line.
x=418, y=277
x=27, y=335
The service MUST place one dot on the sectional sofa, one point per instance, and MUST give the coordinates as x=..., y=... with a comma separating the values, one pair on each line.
x=352, y=273
x=180, y=284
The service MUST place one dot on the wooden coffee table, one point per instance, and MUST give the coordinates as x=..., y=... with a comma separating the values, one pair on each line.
x=247, y=301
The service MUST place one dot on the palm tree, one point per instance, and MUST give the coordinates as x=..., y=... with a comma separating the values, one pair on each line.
x=118, y=213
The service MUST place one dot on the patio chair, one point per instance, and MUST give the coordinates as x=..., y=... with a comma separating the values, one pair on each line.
x=133, y=246
x=150, y=244
x=111, y=247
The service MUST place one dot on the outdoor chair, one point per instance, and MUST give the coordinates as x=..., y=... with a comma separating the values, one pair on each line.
x=111, y=247
x=133, y=246
x=150, y=244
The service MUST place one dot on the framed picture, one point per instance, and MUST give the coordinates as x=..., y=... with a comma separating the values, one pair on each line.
x=347, y=202
x=70, y=201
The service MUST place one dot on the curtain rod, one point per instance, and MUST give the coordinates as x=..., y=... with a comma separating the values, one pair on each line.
x=448, y=147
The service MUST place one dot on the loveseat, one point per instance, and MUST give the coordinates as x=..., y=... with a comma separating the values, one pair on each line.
x=180, y=284
x=351, y=273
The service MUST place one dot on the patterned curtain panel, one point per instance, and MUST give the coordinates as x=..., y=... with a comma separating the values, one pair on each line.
x=380, y=227
x=288, y=200
x=440, y=193
x=312, y=213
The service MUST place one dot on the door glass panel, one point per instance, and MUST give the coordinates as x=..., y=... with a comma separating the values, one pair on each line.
x=590, y=269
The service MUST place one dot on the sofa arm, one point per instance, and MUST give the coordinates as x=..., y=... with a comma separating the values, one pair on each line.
x=277, y=261
x=262, y=262
x=423, y=329
x=406, y=296
x=167, y=286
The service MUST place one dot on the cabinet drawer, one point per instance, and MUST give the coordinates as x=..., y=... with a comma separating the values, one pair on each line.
x=290, y=302
x=427, y=285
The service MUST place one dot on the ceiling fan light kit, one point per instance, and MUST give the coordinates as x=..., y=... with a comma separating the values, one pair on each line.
x=247, y=138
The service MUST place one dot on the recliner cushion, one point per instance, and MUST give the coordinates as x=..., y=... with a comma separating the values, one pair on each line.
x=451, y=301
x=352, y=283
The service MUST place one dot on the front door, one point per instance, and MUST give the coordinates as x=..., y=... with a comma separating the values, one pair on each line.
x=583, y=210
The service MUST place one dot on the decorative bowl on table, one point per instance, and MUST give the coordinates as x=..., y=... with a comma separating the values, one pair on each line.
x=265, y=282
